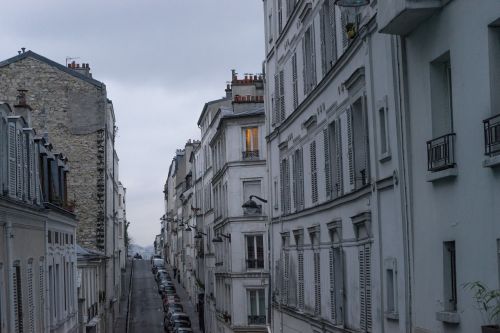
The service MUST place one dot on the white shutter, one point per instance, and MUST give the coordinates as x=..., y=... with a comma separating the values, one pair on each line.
x=333, y=303
x=313, y=59
x=295, y=180
x=300, y=261
x=339, y=184
x=41, y=294
x=301, y=178
x=295, y=87
x=323, y=39
x=276, y=99
x=282, y=113
x=368, y=288
x=350, y=148
x=343, y=20
x=18, y=299
x=12, y=160
x=282, y=186
x=317, y=284
x=26, y=183
x=314, y=173
x=286, y=272
x=332, y=40
x=19, y=166
x=362, y=286
x=328, y=169
x=31, y=303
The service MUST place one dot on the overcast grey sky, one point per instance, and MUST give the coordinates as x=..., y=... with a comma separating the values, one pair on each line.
x=161, y=60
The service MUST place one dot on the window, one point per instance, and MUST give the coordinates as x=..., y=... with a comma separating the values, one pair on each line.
x=256, y=307
x=328, y=40
x=327, y=159
x=285, y=260
x=309, y=59
x=441, y=96
x=251, y=139
x=450, y=277
x=18, y=298
x=49, y=236
x=498, y=258
x=285, y=186
x=383, y=129
x=300, y=278
x=298, y=179
x=280, y=15
x=336, y=285
x=270, y=27
x=282, y=113
x=358, y=144
x=391, y=287
x=51, y=295
x=290, y=6
x=2, y=288
x=314, y=172
x=365, y=292
x=333, y=160
x=255, y=251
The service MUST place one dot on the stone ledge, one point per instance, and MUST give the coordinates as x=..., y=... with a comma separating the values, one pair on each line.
x=392, y=315
x=443, y=174
x=491, y=161
x=448, y=317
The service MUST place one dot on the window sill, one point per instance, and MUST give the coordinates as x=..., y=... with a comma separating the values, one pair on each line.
x=448, y=317
x=442, y=174
x=392, y=316
x=385, y=157
x=491, y=161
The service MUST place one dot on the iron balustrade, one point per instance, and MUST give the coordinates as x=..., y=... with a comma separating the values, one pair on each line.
x=256, y=320
x=250, y=155
x=440, y=153
x=492, y=135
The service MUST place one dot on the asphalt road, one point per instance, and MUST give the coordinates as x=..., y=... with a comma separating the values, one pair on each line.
x=146, y=311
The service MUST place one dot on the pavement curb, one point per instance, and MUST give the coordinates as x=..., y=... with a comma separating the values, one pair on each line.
x=129, y=301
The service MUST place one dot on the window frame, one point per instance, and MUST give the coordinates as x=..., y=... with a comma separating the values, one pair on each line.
x=256, y=253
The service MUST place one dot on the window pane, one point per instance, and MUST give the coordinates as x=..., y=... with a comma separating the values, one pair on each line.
x=262, y=303
x=255, y=139
x=253, y=302
x=260, y=251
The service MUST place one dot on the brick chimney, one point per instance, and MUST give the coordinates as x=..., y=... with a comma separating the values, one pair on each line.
x=229, y=91
x=21, y=108
x=83, y=68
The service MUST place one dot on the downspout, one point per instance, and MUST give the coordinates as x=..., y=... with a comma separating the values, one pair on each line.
x=114, y=220
x=10, y=284
x=402, y=122
x=105, y=212
x=46, y=304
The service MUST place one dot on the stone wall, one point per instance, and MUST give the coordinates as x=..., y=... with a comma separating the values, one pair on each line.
x=72, y=111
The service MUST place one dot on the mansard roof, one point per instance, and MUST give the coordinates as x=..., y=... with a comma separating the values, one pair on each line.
x=52, y=63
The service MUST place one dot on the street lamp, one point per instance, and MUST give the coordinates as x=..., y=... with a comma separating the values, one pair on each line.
x=218, y=238
x=250, y=207
x=199, y=235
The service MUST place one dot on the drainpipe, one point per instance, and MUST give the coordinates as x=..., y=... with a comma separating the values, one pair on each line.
x=114, y=225
x=8, y=242
x=105, y=212
x=46, y=304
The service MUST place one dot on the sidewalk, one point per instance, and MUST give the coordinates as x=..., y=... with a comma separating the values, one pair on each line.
x=121, y=321
x=189, y=309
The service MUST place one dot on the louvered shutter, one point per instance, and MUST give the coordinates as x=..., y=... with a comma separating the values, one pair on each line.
x=19, y=166
x=41, y=291
x=328, y=169
x=368, y=288
x=12, y=159
x=301, y=178
x=282, y=186
x=333, y=303
x=31, y=303
x=282, y=96
x=362, y=288
x=287, y=189
x=286, y=274
x=332, y=40
x=18, y=300
x=323, y=33
x=304, y=65
x=36, y=166
x=26, y=183
x=295, y=87
x=343, y=20
x=300, y=261
x=276, y=99
x=295, y=180
x=31, y=168
x=314, y=174
x=350, y=148
x=313, y=58
x=339, y=184
x=317, y=284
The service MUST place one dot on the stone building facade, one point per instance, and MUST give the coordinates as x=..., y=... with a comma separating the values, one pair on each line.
x=73, y=107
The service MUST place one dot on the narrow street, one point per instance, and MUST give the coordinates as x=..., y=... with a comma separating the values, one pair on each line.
x=146, y=311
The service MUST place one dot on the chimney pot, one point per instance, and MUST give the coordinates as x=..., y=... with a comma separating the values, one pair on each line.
x=23, y=49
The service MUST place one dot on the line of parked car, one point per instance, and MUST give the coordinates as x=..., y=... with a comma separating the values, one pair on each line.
x=174, y=318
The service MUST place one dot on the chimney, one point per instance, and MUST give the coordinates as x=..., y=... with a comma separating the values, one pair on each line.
x=21, y=107
x=83, y=69
x=229, y=92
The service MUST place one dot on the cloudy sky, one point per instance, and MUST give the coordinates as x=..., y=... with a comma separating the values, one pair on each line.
x=161, y=60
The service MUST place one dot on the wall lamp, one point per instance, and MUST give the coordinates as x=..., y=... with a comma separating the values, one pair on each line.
x=218, y=238
x=250, y=207
x=199, y=235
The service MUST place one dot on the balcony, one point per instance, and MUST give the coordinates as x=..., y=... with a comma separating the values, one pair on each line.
x=492, y=141
x=400, y=17
x=250, y=155
x=256, y=320
x=440, y=153
x=255, y=263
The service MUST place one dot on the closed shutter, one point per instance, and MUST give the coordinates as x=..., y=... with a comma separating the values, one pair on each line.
x=295, y=87
x=295, y=180
x=19, y=166
x=343, y=20
x=282, y=186
x=328, y=169
x=301, y=178
x=26, y=182
x=31, y=303
x=333, y=303
x=31, y=168
x=12, y=160
x=339, y=184
x=300, y=261
x=313, y=58
x=286, y=273
x=317, y=284
x=350, y=148
x=276, y=105
x=288, y=194
x=314, y=173
x=41, y=294
x=18, y=300
x=332, y=40
x=282, y=97
x=368, y=288
x=323, y=40
x=278, y=279
x=362, y=283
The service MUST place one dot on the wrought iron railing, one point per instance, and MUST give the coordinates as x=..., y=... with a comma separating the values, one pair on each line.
x=440, y=153
x=492, y=135
x=256, y=320
x=250, y=155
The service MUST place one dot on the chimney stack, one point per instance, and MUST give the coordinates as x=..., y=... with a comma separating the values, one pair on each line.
x=21, y=107
x=229, y=91
x=83, y=69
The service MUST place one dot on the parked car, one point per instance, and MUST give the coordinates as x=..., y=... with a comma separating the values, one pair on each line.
x=179, y=324
x=178, y=316
x=183, y=330
x=172, y=306
x=137, y=256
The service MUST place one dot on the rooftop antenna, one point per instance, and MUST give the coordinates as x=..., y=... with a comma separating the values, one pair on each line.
x=70, y=58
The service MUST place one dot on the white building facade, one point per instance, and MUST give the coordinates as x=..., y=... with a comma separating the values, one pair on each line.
x=449, y=56
x=336, y=205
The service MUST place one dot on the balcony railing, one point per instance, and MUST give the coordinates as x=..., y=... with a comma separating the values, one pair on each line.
x=440, y=153
x=91, y=312
x=255, y=263
x=250, y=155
x=492, y=135
x=256, y=320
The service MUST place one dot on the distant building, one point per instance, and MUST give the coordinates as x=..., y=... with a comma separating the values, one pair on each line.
x=74, y=109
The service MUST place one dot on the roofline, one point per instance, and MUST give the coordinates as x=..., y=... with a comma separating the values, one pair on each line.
x=52, y=63
x=207, y=104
